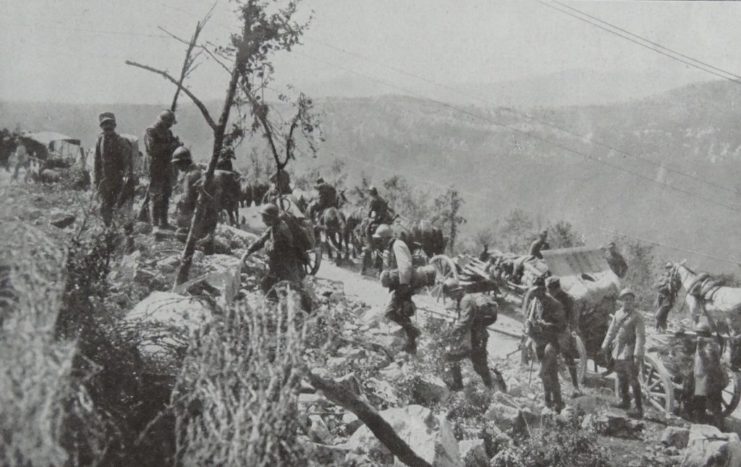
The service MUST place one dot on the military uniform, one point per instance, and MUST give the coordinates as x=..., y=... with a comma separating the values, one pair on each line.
x=566, y=341
x=469, y=337
x=709, y=381
x=664, y=300
x=327, y=199
x=283, y=264
x=617, y=263
x=626, y=339
x=546, y=324
x=160, y=144
x=401, y=307
x=112, y=166
x=537, y=246
x=216, y=198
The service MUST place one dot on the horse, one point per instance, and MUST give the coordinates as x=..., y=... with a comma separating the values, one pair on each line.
x=252, y=192
x=355, y=232
x=706, y=296
x=333, y=221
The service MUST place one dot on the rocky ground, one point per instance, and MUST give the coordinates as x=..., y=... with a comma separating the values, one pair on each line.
x=476, y=426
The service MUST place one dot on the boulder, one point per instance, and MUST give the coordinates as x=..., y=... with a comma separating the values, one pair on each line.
x=430, y=437
x=62, y=219
x=161, y=326
x=708, y=446
x=428, y=390
x=473, y=453
x=234, y=237
x=318, y=430
x=675, y=436
x=612, y=424
x=506, y=418
x=351, y=423
x=220, y=272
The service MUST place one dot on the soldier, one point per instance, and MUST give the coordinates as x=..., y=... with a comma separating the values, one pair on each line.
x=283, y=262
x=567, y=339
x=709, y=377
x=222, y=193
x=476, y=311
x=21, y=158
x=225, y=160
x=327, y=198
x=546, y=323
x=112, y=166
x=401, y=307
x=664, y=298
x=281, y=194
x=160, y=144
x=615, y=260
x=625, y=341
x=539, y=245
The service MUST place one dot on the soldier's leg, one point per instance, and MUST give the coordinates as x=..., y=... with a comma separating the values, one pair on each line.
x=106, y=205
x=568, y=346
x=623, y=384
x=165, y=203
x=454, y=370
x=481, y=365
x=551, y=363
x=636, y=387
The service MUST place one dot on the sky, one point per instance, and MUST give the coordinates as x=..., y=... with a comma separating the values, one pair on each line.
x=74, y=50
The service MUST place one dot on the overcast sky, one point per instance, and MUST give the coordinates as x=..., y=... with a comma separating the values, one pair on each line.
x=73, y=50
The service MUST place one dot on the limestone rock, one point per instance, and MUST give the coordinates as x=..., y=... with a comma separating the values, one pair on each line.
x=612, y=424
x=62, y=219
x=708, y=447
x=473, y=453
x=161, y=326
x=676, y=437
x=430, y=436
x=505, y=417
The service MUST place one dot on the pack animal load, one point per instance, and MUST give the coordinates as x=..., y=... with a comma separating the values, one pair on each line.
x=423, y=276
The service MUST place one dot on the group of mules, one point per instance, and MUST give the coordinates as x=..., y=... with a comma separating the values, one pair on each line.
x=707, y=298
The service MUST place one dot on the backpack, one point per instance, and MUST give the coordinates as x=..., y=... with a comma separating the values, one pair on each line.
x=303, y=235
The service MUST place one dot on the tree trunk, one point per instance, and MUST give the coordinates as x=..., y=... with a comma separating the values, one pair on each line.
x=197, y=221
x=368, y=415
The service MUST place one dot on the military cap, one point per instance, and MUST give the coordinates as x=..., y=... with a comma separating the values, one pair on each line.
x=106, y=117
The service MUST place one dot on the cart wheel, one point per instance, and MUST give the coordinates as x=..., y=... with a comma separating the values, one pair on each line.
x=444, y=269
x=315, y=260
x=580, y=360
x=656, y=383
x=732, y=392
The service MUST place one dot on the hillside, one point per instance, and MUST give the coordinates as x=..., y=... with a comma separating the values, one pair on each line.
x=691, y=129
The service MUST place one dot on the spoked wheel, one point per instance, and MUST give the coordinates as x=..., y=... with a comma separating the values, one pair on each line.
x=580, y=359
x=656, y=383
x=315, y=260
x=444, y=269
x=731, y=393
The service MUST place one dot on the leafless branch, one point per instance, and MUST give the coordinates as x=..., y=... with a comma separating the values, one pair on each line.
x=187, y=91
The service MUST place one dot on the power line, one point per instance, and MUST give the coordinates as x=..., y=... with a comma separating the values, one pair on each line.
x=530, y=135
x=529, y=117
x=695, y=64
x=649, y=41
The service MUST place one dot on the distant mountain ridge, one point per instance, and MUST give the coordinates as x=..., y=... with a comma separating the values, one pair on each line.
x=692, y=129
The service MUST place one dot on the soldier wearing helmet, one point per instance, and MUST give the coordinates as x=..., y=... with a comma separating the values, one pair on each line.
x=326, y=198
x=567, y=339
x=112, y=167
x=709, y=378
x=665, y=295
x=615, y=260
x=400, y=309
x=278, y=241
x=161, y=144
x=546, y=322
x=221, y=193
x=469, y=337
x=540, y=244
x=625, y=343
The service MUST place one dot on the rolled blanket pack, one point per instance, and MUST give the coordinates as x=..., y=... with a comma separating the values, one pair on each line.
x=423, y=276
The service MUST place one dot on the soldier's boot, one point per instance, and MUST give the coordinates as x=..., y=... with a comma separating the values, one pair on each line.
x=412, y=335
x=637, y=412
x=499, y=381
x=456, y=376
x=163, y=222
x=574, y=381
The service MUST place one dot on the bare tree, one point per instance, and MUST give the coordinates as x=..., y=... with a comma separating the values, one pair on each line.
x=267, y=27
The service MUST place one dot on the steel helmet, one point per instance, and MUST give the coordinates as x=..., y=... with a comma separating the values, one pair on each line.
x=625, y=292
x=703, y=327
x=181, y=154
x=168, y=116
x=450, y=285
x=269, y=210
x=383, y=232
x=372, y=190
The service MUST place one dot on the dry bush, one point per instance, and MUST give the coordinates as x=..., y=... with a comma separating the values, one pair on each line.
x=38, y=394
x=236, y=400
